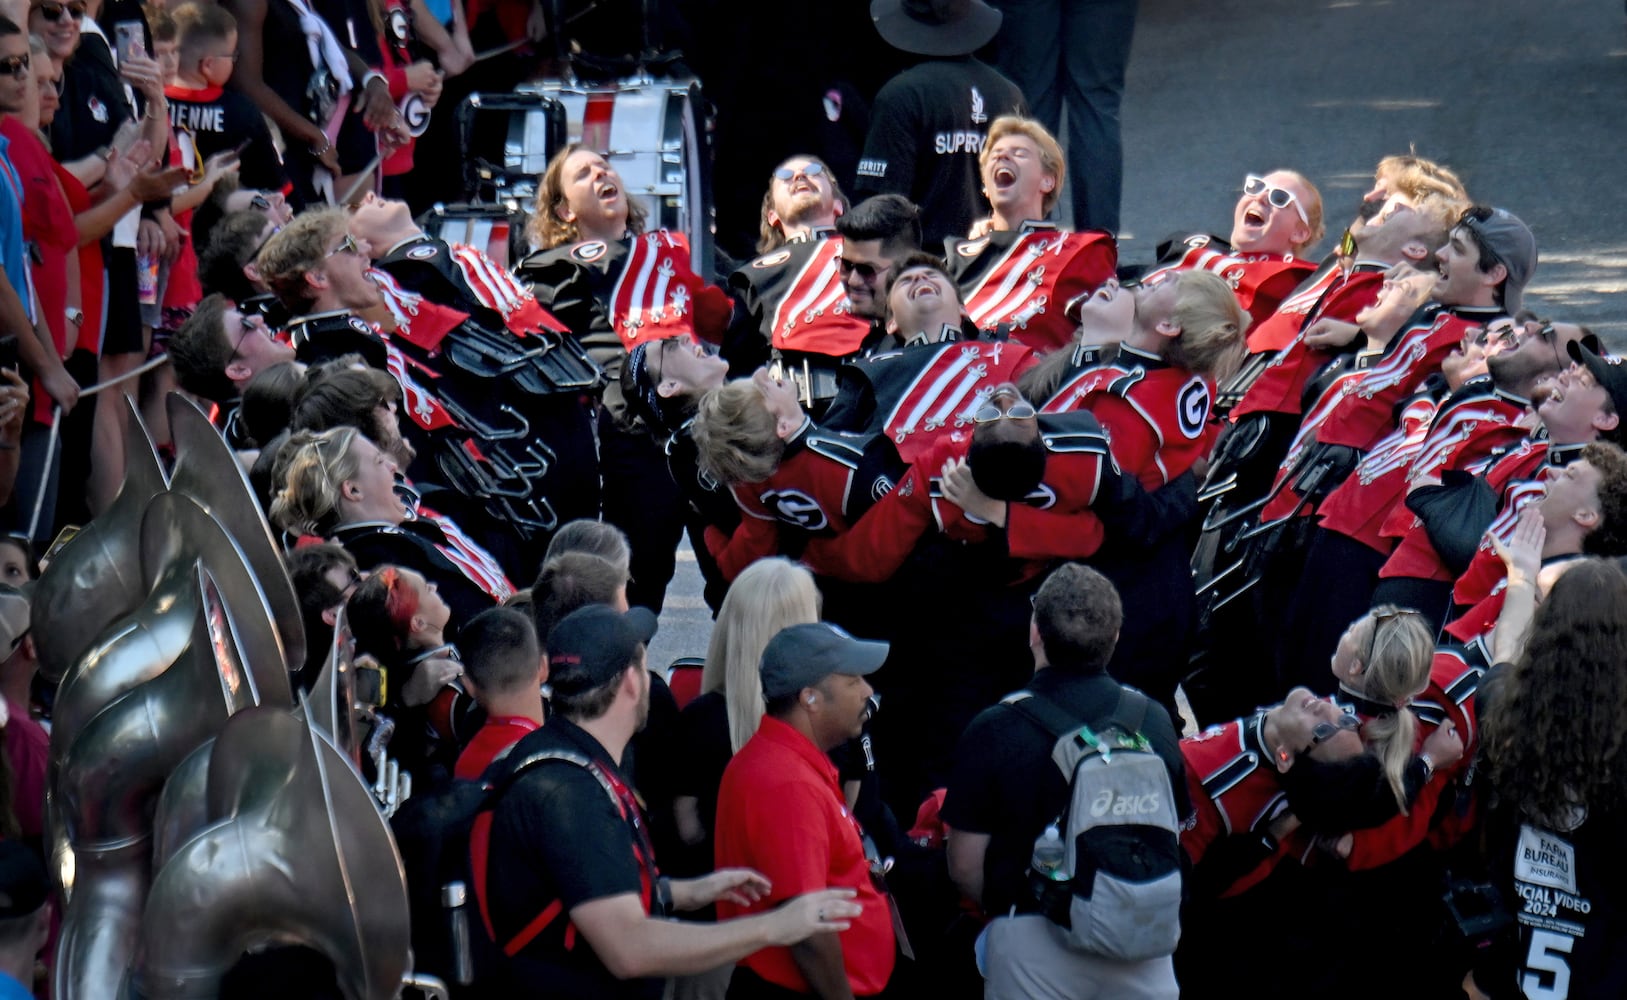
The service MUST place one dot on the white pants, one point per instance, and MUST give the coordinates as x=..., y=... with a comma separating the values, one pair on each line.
x=1024, y=958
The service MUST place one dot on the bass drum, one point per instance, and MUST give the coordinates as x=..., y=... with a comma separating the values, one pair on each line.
x=651, y=131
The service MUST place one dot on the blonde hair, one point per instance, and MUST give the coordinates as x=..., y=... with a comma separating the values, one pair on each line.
x=296, y=250
x=1417, y=177
x=735, y=435
x=314, y=467
x=1212, y=326
x=769, y=595
x=546, y=229
x=1397, y=650
x=1050, y=152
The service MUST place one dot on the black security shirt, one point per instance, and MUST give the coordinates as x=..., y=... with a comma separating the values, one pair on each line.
x=927, y=127
x=1005, y=785
x=556, y=835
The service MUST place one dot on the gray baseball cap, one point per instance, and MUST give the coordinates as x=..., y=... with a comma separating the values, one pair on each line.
x=803, y=655
x=1512, y=242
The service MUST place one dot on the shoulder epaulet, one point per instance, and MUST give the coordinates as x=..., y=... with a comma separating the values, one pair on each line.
x=773, y=258
x=1122, y=385
x=423, y=250
x=971, y=248
x=1075, y=442
x=845, y=449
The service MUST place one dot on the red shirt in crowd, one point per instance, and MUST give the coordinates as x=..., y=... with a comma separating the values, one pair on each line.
x=498, y=734
x=48, y=225
x=780, y=810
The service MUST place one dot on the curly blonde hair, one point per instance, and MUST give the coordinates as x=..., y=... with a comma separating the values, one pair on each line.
x=546, y=229
x=311, y=468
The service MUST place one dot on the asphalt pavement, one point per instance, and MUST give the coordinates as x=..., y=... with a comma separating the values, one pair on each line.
x=1526, y=101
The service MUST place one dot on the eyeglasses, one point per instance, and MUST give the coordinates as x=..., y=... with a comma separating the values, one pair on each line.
x=1324, y=731
x=868, y=272
x=811, y=170
x=346, y=245
x=53, y=11
x=250, y=325
x=260, y=203
x=262, y=245
x=15, y=66
x=989, y=413
x=1276, y=197
x=354, y=580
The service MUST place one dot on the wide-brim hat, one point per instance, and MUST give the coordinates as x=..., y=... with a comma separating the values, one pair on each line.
x=936, y=27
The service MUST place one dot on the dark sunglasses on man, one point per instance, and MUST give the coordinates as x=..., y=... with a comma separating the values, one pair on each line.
x=869, y=272
x=53, y=11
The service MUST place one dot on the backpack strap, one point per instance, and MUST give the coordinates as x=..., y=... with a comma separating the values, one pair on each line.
x=1129, y=713
x=480, y=840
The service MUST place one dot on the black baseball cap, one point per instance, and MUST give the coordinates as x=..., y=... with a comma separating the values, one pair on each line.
x=1606, y=369
x=591, y=646
x=803, y=655
x=24, y=886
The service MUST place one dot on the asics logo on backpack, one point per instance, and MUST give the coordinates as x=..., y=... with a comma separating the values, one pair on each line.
x=1106, y=803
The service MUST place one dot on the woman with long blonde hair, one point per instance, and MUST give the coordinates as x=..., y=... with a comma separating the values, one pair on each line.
x=1382, y=663
x=769, y=595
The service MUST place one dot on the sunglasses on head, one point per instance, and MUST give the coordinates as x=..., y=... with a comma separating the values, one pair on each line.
x=988, y=413
x=811, y=170
x=869, y=272
x=1276, y=197
x=53, y=11
x=346, y=245
x=15, y=66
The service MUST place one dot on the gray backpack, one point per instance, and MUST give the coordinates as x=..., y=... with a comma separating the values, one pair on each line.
x=1117, y=892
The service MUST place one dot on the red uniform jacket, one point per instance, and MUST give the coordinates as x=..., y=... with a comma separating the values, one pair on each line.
x=1366, y=411
x=920, y=394
x=1234, y=791
x=824, y=482
x=1282, y=384
x=1156, y=415
x=1023, y=279
x=1469, y=430
x=1053, y=522
x=1518, y=478
x=1360, y=505
x=1261, y=280
x=1454, y=677
x=796, y=298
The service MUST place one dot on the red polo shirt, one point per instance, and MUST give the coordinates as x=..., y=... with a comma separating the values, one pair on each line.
x=780, y=810
x=498, y=734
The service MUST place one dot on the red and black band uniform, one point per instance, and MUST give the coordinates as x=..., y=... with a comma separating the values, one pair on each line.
x=1023, y=279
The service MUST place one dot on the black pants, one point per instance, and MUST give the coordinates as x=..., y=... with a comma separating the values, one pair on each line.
x=1335, y=588
x=748, y=985
x=642, y=500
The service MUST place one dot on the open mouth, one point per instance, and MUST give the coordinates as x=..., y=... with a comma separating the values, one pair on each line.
x=1004, y=176
x=1254, y=217
x=921, y=290
x=609, y=192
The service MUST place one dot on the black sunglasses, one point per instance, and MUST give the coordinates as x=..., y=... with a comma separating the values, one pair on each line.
x=260, y=203
x=53, y=11
x=1324, y=731
x=15, y=66
x=869, y=272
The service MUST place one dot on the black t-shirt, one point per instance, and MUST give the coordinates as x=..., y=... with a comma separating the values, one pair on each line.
x=1005, y=785
x=557, y=835
x=703, y=728
x=219, y=120
x=94, y=103
x=927, y=127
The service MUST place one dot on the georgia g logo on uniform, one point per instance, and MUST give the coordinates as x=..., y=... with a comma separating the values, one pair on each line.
x=1192, y=407
x=796, y=507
